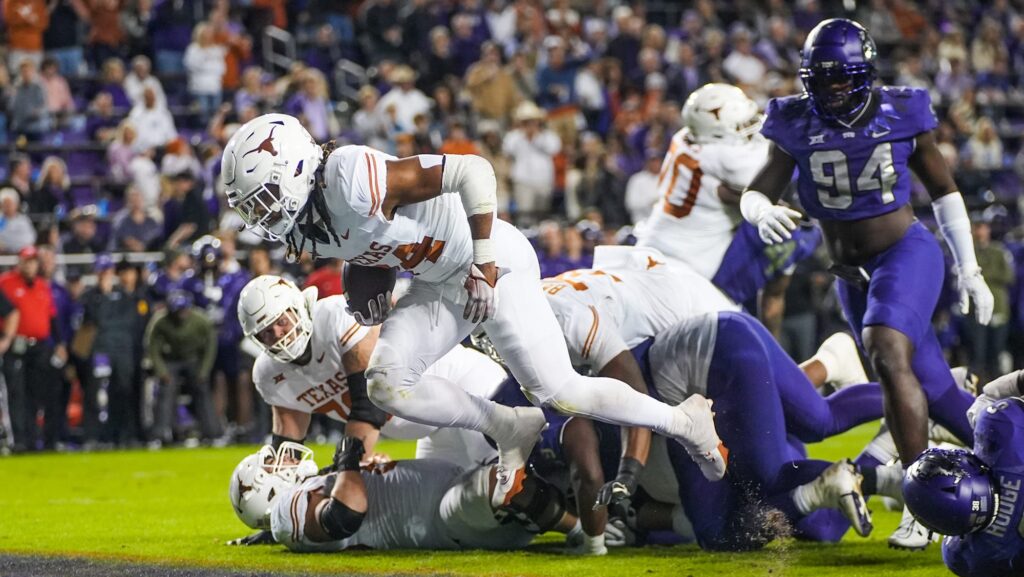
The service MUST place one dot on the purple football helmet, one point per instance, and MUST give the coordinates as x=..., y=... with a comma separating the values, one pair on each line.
x=951, y=492
x=838, y=68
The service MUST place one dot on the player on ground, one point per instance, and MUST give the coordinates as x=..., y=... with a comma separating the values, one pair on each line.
x=417, y=504
x=313, y=361
x=975, y=498
x=710, y=161
x=434, y=216
x=852, y=145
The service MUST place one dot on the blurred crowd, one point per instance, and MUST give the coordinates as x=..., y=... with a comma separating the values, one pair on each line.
x=113, y=115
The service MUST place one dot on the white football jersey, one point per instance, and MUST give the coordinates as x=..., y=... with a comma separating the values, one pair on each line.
x=431, y=239
x=689, y=223
x=404, y=509
x=320, y=386
x=630, y=295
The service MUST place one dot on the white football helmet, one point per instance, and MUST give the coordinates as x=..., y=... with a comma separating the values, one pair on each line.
x=268, y=169
x=262, y=477
x=264, y=300
x=720, y=113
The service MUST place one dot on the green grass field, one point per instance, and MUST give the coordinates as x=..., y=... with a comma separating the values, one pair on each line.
x=170, y=507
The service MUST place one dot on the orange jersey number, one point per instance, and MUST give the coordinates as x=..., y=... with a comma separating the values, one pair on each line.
x=571, y=279
x=412, y=254
x=680, y=207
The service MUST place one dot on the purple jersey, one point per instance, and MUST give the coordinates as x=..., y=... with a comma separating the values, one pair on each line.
x=852, y=173
x=999, y=548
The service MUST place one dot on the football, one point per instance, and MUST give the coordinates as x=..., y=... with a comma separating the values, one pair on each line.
x=363, y=283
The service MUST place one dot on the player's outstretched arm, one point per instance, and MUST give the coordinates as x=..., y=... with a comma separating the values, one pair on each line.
x=774, y=223
x=289, y=424
x=951, y=214
x=623, y=367
x=340, y=515
x=419, y=178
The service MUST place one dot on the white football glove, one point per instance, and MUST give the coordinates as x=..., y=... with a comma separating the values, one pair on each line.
x=483, y=296
x=980, y=404
x=379, y=309
x=774, y=223
x=616, y=534
x=973, y=287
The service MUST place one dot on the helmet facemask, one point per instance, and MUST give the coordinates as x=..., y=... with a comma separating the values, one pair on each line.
x=839, y=93
x=293, y=343
x=268, y=212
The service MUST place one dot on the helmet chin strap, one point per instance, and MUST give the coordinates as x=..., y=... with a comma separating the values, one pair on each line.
x=860, y=113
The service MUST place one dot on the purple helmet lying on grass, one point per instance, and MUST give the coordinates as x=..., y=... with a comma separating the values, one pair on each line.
x=951, y=492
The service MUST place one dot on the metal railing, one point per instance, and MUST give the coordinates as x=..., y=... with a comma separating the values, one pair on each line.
x=275, y=38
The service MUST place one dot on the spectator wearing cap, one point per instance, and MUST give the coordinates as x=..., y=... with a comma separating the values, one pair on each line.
x=152, y=121
x=404, y=101
x=988, y=343
x=83, y=238
x=491, y=87
x=532, y=149
x=16, y=229
x=32, y=384
x=28, y=111
x=135, y=229
x=642, y=188
x=26, y=21
x=182, y=345
x=115, y=314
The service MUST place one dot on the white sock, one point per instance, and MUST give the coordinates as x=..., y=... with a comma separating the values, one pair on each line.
x=890, y=481
x=805, y=497
x=615, y=402
x=593, y=544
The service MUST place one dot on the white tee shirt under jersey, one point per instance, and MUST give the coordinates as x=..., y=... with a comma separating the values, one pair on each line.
x=630, y=295
x=431, y=239
x=689, y=222
x=404, y=509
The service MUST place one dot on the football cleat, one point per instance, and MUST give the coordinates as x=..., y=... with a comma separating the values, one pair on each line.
x=838, y=487
x=508, y=484
x=910, y=535
x=702, y=442
x=841, y=358
x=514, y=449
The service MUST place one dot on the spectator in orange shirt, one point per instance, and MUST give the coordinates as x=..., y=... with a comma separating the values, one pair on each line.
x=105, y=33
x=458, y=142
x=26, y=21
x=238, y=46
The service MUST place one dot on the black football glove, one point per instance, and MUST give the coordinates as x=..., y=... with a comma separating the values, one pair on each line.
x=348, y=455
x=258, y=538
x=623, y=486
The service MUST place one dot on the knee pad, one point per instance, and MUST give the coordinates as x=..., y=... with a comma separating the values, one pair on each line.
x=539, y=506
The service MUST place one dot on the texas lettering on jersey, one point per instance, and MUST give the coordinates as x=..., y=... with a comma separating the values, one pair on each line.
x=330, y=396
